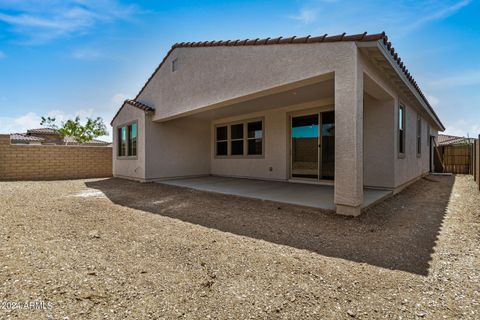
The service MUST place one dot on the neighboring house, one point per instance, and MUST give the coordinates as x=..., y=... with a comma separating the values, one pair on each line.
x=47, y=136
x=340, y=110
x=445, y=140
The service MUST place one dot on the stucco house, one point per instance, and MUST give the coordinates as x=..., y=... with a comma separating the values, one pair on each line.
x=49, y=136
x=338, y=110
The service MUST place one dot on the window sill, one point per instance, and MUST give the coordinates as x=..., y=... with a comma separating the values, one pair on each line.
x=127, y=157
x=240, y=157
x=401, y=156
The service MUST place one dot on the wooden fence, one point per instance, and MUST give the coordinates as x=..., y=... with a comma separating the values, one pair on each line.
x=456, y=158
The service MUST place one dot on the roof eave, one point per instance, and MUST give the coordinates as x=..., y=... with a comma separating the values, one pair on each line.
x=386, y=53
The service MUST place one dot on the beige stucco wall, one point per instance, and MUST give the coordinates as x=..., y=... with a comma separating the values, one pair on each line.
x=177, y=148
x=210, y=75
x=378, y=141
x=132, y=168
x=410, y=166
x=406, y=168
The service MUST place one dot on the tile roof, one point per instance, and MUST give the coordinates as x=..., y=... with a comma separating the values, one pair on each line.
x=23, y=137
x=42, y=131
x=28, y=137
x=443, y=140
x=71, y=140
x=139, y=105
x=133, y=103
x=361, y=37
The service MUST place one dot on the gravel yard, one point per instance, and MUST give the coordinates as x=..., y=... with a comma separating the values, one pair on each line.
x=116, y=249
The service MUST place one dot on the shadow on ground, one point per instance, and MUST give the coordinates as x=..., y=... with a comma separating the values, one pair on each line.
x=399, y=233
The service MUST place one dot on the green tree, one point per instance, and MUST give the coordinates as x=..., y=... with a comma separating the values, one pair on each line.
x=73, y=128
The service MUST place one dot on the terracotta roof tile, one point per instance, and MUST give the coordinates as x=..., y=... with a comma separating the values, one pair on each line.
x=136, y=104
x=42, y=131
x=361, y=37
x=23, y=137
x=139, y=105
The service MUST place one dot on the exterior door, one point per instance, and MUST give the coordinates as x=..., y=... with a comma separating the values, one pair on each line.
x=313, y=146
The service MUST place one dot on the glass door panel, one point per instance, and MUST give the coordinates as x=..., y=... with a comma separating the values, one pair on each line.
x=327, y=167
x=305, y=133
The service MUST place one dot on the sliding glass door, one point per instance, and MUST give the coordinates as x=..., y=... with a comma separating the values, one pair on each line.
x=305, y=146
x=313, y=146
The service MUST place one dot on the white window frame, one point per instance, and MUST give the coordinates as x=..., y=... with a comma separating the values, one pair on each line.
x=401, y=153
x=127, y=145
x=245, y=139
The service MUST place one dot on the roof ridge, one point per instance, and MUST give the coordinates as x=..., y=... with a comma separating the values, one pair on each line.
x=282, y=40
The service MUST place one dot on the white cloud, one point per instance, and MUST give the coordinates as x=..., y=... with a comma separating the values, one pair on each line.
x=40, y=21
x=463, y=128
x=32, y=120
x=438, y=14
x=88, y=54
x=19, y=124
x=306, y=16
x=467, y=78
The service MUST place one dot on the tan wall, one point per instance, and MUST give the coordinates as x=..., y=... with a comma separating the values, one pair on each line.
x=210, y=75
x=378, y=146
x=36, y=162
x=177, y=148
x=132, y=168
x=411, y=166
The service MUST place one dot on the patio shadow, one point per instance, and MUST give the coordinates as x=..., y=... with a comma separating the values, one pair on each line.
x=399, y=233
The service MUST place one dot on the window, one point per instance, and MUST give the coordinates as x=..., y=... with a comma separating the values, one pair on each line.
x=239, y=139
x=174, y=65
x=222, y=141
x=127, y=140
x=254, y=138
x=122, y=142
x=419, y=135
x=236, y=139
x=132, y=139
x=401, y=130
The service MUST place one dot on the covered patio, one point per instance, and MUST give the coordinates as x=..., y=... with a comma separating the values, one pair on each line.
x=303, y=194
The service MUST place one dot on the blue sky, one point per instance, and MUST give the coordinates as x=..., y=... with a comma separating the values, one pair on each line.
x=84, y=57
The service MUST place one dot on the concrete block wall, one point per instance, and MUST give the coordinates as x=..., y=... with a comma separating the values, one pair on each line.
x=51, y=162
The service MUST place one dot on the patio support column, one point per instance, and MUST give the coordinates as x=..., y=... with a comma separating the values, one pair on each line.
x=349, y=137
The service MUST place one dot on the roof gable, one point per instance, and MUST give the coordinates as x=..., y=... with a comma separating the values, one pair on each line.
x=379, y=38
x=135, y=104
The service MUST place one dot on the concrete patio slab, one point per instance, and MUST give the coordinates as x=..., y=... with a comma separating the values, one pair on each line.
x=309, y=195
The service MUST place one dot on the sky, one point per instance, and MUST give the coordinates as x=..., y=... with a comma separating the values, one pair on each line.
x=66, y=58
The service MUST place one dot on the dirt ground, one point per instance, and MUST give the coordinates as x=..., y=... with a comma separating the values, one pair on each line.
x=116, y=249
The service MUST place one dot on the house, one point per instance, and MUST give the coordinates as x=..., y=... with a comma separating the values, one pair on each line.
x=340, y=110
x=48, y=136
x=446, y=140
